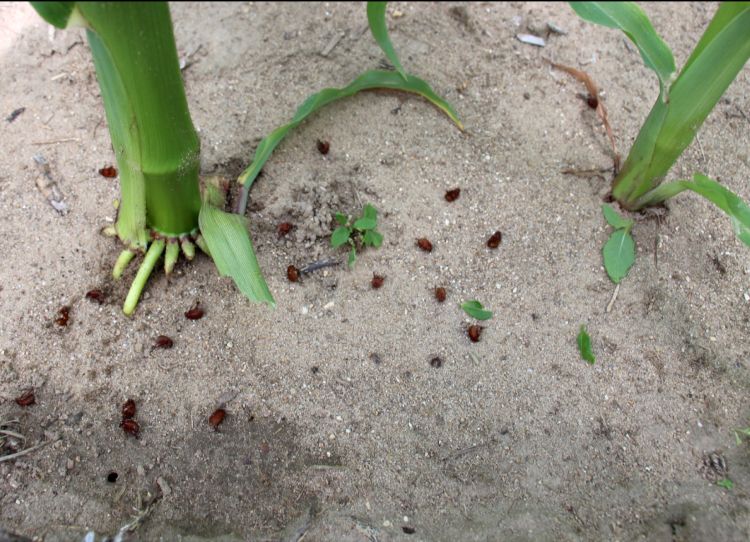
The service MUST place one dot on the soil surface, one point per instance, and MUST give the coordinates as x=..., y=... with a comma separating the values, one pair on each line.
x=339, y=426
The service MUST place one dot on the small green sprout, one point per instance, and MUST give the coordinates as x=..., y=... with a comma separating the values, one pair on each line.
x=475, y=309
x=739, y=433
x=584, y=346
x=619, y=250
x=726, y=483
x=362, y=231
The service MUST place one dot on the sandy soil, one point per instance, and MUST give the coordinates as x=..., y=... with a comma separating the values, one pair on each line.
x=338, y=427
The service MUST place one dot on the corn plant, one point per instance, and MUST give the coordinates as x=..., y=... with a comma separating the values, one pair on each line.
x=685, y=100
x=164, y=207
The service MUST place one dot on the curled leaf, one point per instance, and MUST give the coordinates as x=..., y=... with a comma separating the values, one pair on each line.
x=476, y=310
x=584, y=346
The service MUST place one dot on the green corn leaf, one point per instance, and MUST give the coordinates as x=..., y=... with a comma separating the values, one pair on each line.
x=631, y=19
x=584, y=346
x=476, y=310
x=724, y=16
x=615, y=220
x=341, y=218
x=379, y=29
x=670, y=128
x=726, y=200
x=58, y=14
x=373, y=79
x=232, y=251
x=373, y=238
x=619, y=255
x=340, y=236
x=352, y=257
x=365, y=223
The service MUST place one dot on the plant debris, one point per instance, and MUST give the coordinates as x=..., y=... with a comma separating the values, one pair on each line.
x=128, y=409
x=285, y=228
x=452, y=195
x=495, y=240
x=131, y=427
x=475, y=332
x=63, y=316
x=594, y=102
x=424, y=244
x=49, y=187
x=323, y=147
x=530, y=39
x=217, y=417
x=440, y=294
x=377, y=281
x=26, y=399
x=162, y=341
x=15, y=114
x=195, y=312
x=110, y=172
x=95, y=295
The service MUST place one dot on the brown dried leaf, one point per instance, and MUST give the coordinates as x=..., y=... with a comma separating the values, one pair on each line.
x=601, y=111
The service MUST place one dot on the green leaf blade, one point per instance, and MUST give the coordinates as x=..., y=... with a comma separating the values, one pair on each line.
x=726, y=200
x=58, y=14
x=633, y=21
x=352, y=258
x=619, y=255
x=475, y=309
x=584, y=346
x=379, y=29
x=369, y=211
x=369, y=80
x=365, y=223
x=232, y=251
x=340, y=236
x=614, y=219
x=341, y=218
x=373, y=238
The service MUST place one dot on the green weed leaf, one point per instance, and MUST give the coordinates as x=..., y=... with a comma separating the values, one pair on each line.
x=365, y=223
x=373, y=238
x=368, y=211
x=631, y=19
x=476, y=310
x=726, y=483
x=232, y=251
x=615, y=220
x=352, y=257
x=379, y=29
x=619, y=255
x=584, y=346
x=341, y=218
x=340, y=236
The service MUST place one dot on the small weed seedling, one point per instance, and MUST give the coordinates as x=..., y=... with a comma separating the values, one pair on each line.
x=739, y=433
x=361, y=232
x=685, y=100
x=584, y=346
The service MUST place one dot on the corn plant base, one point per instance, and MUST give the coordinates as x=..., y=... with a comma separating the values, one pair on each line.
x=170, y=247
